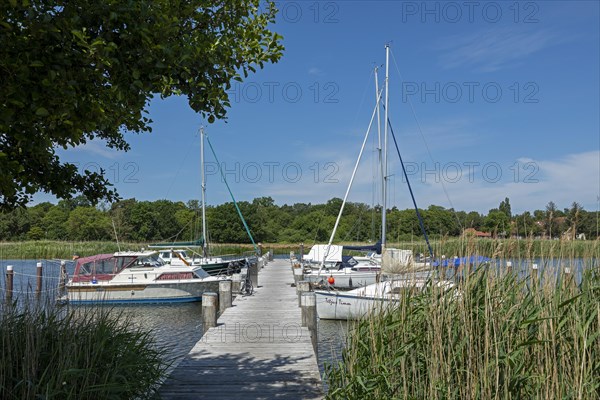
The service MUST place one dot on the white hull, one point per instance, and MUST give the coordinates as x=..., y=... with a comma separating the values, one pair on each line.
x=358, y=303
x=343, y=279
x=342, y=306
x=163, y=292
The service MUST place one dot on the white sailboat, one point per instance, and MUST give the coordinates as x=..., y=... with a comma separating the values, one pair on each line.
x=350, y=273
x=211, y=264
x=361, y=302
x=376, y=296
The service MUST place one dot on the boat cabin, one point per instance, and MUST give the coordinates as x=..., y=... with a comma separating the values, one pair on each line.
x=104, y=267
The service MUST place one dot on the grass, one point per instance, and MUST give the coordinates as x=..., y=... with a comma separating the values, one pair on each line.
x=57, y=353
x=495, y=335
x=510, y=248
x=51, y=249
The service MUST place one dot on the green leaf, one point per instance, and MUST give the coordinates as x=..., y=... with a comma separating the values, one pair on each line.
x=42, y=112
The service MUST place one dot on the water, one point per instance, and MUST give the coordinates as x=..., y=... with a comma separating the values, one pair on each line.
x=178, y=327
x=175, y=327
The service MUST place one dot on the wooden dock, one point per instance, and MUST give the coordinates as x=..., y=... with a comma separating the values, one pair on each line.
x=258, y=350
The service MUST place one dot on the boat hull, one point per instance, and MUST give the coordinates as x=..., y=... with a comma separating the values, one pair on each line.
x=343, y=280
x=340, y=306
x=163, y=292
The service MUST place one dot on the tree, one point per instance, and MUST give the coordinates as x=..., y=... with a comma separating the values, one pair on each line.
x=505, y=207
x=73, y=71
x=550, y=221
x=497, y=221
x=573, y=218
x=88, y=223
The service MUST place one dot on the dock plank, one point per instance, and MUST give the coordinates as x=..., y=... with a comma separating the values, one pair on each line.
x=258, y=350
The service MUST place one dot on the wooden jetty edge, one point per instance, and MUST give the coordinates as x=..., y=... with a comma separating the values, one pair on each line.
x=258, y=350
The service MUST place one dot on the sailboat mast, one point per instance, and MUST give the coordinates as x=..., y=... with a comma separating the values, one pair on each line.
x=385, y=146
x=379, y=155
x=204, y=236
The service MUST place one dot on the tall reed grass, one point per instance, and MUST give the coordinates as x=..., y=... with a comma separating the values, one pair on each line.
x=526, y=248
x=85, y=353
x=494, y=335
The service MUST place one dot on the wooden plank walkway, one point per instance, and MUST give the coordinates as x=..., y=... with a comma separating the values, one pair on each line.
x=258, y=350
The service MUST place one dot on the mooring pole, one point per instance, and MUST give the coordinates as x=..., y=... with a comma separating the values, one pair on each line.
x=38, y=288
x=224, y=295
x=209, y=310
x=9, y=282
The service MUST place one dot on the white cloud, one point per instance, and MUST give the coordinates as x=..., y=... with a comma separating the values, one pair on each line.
x=573, y=177
x=495, y=48
x=315, y=71
x=98, y=147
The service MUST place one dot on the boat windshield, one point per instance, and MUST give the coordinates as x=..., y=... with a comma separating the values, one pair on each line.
x=148, y=261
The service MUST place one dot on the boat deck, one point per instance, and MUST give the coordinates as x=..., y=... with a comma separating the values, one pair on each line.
x=258, y=350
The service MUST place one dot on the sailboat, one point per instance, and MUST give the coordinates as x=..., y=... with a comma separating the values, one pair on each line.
x=173, y=254
x=345, y=272
x=408, y=274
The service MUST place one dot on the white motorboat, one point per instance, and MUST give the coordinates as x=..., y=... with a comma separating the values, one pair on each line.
x=136, y=277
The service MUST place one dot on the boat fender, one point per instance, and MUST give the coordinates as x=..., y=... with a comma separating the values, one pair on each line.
x=331, y=280
x=350, y=281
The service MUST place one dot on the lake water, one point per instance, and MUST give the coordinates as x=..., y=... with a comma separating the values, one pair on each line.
x=178, y=327
x=175, y=327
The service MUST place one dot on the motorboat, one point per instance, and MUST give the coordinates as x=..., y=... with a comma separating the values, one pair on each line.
x=136, y=277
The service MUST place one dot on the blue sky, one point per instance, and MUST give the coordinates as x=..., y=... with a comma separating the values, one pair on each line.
x=487, y=99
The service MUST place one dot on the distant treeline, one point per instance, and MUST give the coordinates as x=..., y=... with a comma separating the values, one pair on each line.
x=164, y=220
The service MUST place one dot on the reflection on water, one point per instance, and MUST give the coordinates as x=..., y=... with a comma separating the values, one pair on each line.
x=175, y=327
x=332, y=339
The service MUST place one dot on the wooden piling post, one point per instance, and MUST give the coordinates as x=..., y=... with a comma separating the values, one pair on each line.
x=301, y=252
x=9, y=282
x=260, y=249
x=236, y=283
x=302, y=287
x=38, y=287
x=308, y=304
x=534, y=274
x=271, y=255
x=253, y=271
x=509, y=268
x=209, y=310
x=298, y=275
x=224, y=295
x=63, y=278
x=569, y=278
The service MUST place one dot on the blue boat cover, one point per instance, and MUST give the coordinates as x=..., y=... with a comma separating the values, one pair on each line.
x=458, y=261
x=374, y=247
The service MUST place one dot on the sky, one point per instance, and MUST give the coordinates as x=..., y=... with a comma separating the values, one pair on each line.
x=487, y=100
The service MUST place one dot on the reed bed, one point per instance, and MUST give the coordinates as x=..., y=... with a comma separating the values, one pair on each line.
x=85, y=353
x=496, y=334
x=527, y=248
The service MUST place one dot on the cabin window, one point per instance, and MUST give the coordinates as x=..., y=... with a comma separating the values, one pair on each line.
x=106, y=266
x=86, y=269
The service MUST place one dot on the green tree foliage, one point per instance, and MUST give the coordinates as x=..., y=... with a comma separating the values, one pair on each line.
x=505, y=207
x=73, y=71
x=164, y=220
x=88, y=223
x=497, y=222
